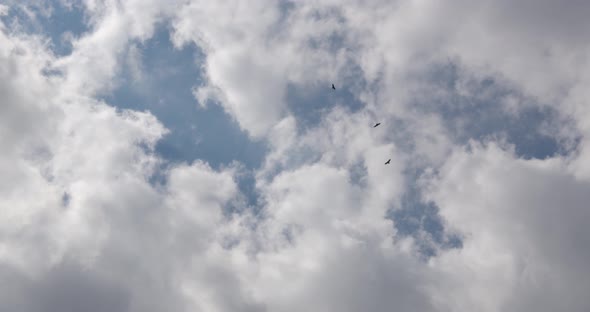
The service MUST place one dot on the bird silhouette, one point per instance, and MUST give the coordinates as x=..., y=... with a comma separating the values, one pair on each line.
x=388, y=161
x=333, y=87
x=376, y=125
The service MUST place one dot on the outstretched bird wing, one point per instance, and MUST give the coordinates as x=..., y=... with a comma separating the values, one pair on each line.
x=388, y=161
x=376, y=124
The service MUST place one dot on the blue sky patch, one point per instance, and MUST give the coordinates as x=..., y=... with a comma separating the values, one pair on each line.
x=164, y=88
x=311, y=104
x=56, y=24
x=416, y=217
x=481, y=115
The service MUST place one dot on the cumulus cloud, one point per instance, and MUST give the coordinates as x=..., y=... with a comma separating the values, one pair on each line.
x=83, y=225
x=524, y=223
x=255, y=52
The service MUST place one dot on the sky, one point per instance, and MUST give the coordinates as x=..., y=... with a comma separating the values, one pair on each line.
x=192, y=156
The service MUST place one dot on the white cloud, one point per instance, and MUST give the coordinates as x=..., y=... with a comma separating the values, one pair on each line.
x=116, y=231
x=321, y=240
x=256, y=51
x=523, y=222
x=325, y=245
x=4, y=10
x=96, y=56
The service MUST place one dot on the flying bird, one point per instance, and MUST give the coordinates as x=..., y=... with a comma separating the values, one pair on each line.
x=376, y=125
x=388, y=161
x=333, y=87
